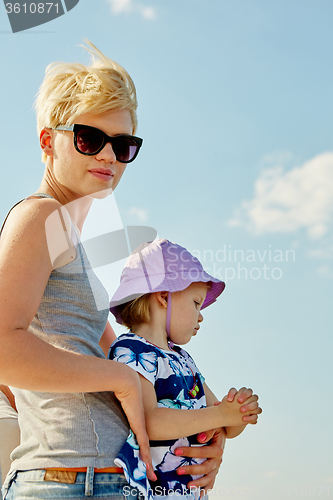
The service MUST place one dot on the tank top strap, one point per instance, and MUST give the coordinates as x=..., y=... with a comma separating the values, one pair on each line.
x=77, y=235
x=38, y=195
x=78, y=243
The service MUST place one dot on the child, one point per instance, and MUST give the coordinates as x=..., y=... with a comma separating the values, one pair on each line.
x=162, y=290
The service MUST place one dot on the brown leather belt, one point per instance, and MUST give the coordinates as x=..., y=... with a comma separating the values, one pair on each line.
x=68, y=476
x=112, y=470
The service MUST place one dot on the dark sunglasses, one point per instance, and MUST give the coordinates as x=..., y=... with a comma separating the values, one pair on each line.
x=90, y=141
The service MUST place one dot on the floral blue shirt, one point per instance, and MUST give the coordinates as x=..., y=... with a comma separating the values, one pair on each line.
x=174, y=375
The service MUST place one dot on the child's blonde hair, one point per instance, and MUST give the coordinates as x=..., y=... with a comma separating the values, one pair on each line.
x=72, y=89
x=136, y=311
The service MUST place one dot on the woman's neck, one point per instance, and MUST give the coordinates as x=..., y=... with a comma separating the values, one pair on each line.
x=77, y=207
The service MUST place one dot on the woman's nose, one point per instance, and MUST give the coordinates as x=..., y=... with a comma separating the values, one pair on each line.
x=107, y=154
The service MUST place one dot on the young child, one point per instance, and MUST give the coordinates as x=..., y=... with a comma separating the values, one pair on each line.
x=162, y=290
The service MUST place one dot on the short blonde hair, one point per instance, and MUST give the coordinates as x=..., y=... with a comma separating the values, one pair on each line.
x=72, y=89
x=135, y=312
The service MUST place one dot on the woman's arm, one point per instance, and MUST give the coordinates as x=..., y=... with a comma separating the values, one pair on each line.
x=30, y=363
x=25, y=267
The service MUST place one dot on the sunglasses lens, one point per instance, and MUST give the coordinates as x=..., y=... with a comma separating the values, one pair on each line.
x=89, y=141
x=124, y=148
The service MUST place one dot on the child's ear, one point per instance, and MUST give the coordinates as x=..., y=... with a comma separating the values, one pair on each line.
x=162, y=298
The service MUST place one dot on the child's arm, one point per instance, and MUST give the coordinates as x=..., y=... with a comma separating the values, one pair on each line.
x=169, y=423
x=211, y=399
x=107, y=339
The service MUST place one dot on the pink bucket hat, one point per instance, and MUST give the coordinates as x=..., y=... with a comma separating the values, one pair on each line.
x=159, y=266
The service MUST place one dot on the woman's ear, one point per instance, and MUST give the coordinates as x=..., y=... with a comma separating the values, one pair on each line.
x=46, y=141
x=162, y=298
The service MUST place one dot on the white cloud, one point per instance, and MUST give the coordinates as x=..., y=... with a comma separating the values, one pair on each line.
x=287, y=201
x=140, y=213
x=325, y=271
x=129, y=6
x=323, y=252
x=278, y=157
x=272, y=473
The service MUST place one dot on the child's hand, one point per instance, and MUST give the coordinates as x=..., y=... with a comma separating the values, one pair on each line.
x=242, y=396
x=237, y=413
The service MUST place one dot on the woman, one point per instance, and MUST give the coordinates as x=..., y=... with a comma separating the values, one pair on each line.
x=54, y=329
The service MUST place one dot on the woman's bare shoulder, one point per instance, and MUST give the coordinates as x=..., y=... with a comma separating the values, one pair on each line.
x=42, y=224
x=30, y=211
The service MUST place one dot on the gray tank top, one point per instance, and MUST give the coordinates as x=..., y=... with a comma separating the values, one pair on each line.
x=70, y=430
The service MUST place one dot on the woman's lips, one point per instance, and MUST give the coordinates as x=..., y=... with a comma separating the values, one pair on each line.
x=105, y=175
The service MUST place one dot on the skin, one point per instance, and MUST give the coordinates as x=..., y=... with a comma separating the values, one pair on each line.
x=231, y=415
x=7, y=392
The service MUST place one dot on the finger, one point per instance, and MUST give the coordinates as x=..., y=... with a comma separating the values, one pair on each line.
x=254, y=414
x=256, y=411
x=213, y=451
x=250, y=419
x=145, y=456
x=206, y=436
x=203, y=437
x=249, y=408
x=231, y=394
x=206, y=482
x=143, y=442
x=219, y=438
x=244, y=394
x=204, y=468
x=251, y=400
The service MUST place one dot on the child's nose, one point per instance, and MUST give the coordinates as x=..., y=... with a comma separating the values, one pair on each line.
x=200, y=318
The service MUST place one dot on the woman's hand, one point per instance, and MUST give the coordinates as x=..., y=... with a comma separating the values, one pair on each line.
x=130, y=397
x=210, y=467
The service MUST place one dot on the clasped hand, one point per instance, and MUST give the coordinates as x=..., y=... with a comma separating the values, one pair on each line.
x=240, y=407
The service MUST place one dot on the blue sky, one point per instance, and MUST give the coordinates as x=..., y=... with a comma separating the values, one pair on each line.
x=235, y=108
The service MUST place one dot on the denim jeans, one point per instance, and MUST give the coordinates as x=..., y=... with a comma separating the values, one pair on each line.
x=30, y=485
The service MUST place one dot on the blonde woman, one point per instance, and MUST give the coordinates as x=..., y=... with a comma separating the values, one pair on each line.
x=54, y=330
